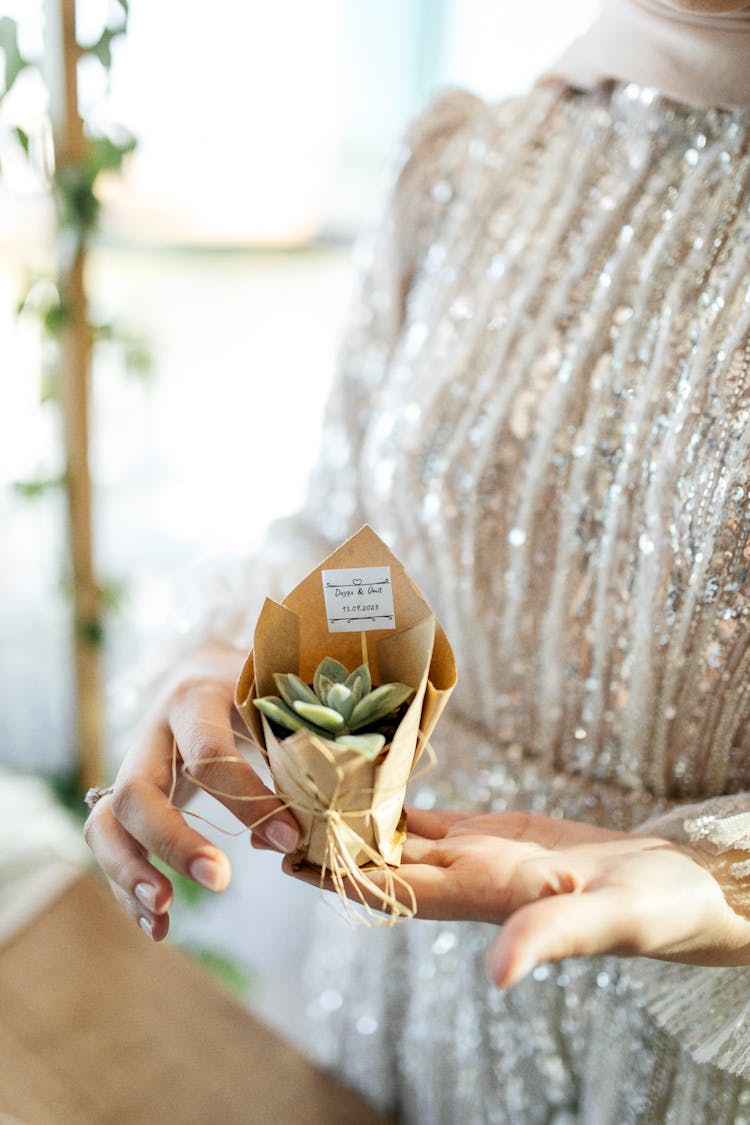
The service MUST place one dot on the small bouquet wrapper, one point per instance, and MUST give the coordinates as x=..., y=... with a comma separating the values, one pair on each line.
x=350, y=809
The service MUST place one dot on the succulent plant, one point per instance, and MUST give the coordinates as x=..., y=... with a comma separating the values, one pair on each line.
x=339, y=706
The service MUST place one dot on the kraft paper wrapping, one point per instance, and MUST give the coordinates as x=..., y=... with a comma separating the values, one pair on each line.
x=341, y=800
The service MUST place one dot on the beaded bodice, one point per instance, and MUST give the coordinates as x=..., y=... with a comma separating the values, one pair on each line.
x=544, y=406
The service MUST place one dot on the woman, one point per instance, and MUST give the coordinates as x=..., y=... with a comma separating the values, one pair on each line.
x=543, y=407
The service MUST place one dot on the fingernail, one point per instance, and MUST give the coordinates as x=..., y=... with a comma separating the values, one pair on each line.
x=147, y=927
x=146, y=895
x=282, y=836
x=507, y=969
x=208, y=873
x=510, y=974
x=524, y=970
x=496, y=970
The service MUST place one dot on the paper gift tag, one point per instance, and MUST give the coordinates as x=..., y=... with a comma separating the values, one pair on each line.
x=359, y=599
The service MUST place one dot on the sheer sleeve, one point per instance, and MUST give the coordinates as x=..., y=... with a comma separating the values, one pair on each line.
x=708, y=1009
x=221, y=602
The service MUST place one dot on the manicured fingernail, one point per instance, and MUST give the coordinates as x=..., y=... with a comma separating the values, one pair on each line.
x=147, y=927
x=523, y=970
x=507, y=969
x=146, y=895
x=496, y=970
x=208, y=873
x=507, y=973
x=282, y=836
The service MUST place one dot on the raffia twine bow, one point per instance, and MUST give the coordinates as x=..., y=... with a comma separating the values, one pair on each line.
x=351, y=881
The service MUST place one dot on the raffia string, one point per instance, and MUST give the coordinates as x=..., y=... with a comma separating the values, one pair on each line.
x=348, y=879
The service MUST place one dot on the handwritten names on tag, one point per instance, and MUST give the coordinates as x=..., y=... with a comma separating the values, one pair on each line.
x=359, y=599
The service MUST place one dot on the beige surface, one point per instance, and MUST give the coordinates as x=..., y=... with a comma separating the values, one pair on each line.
x=99, y=1027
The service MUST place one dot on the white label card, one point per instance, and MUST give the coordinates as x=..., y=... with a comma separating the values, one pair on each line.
x=359, y=599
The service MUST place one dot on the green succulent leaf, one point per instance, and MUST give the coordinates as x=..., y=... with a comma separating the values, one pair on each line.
x=324, y=717
x=341, y=699
x=323, y=688
x=339, y=704
x=369, y=745
x=276, y=710
x=379, y=703
x=292, y=689
x=360, y=681
x=329, y=669
x=360, y=676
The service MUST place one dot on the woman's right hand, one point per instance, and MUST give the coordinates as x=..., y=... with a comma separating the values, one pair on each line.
x=195, y=712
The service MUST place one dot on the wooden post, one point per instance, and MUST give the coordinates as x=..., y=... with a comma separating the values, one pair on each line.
x=75, y=377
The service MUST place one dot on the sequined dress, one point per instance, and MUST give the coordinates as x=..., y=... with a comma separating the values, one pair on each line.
x=543, y=407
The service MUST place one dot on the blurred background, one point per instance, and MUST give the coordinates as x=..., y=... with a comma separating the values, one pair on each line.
x=218, y=278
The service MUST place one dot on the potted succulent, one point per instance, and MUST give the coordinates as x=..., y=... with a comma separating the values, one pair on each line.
x=339, y=705
x=340, y=744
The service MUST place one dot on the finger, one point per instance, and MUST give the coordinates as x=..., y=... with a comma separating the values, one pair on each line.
x=570, y=925
x=155, y=926
x=201, y=721
x=434, y=894
x=519, y=826
x=125, y=863
x=146, y=813
x=305, y=874
x=431, y=823
x=421, y=849
x=532, y=828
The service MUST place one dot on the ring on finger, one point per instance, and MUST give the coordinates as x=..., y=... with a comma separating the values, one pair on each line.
x=96, y=793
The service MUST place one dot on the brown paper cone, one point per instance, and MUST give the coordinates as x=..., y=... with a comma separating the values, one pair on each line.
x=340, y=799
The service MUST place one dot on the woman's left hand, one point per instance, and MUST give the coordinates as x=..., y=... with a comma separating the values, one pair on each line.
x=566, y=889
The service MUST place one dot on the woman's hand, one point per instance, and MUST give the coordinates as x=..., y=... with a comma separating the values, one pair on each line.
x=195, y=713
x=564, y=889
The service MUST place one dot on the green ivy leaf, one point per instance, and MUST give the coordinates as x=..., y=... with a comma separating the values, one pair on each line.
x=184, y=888
x=103, y=331
x=228, y=971
x=55, y=318
x=106, y=155
x=33, y=489
x=66, y=788
x=77, y=204
x=137, y=357
x=114, y=594
x=90, y=630
x=50, y=383
x=23, y=138
x=14, y=60
x=102, y=49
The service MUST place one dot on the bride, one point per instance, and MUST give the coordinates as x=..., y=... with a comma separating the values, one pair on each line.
x=544, y=407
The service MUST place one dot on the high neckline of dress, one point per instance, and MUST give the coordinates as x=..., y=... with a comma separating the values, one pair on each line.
x=699, y=58
x=738, y=20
